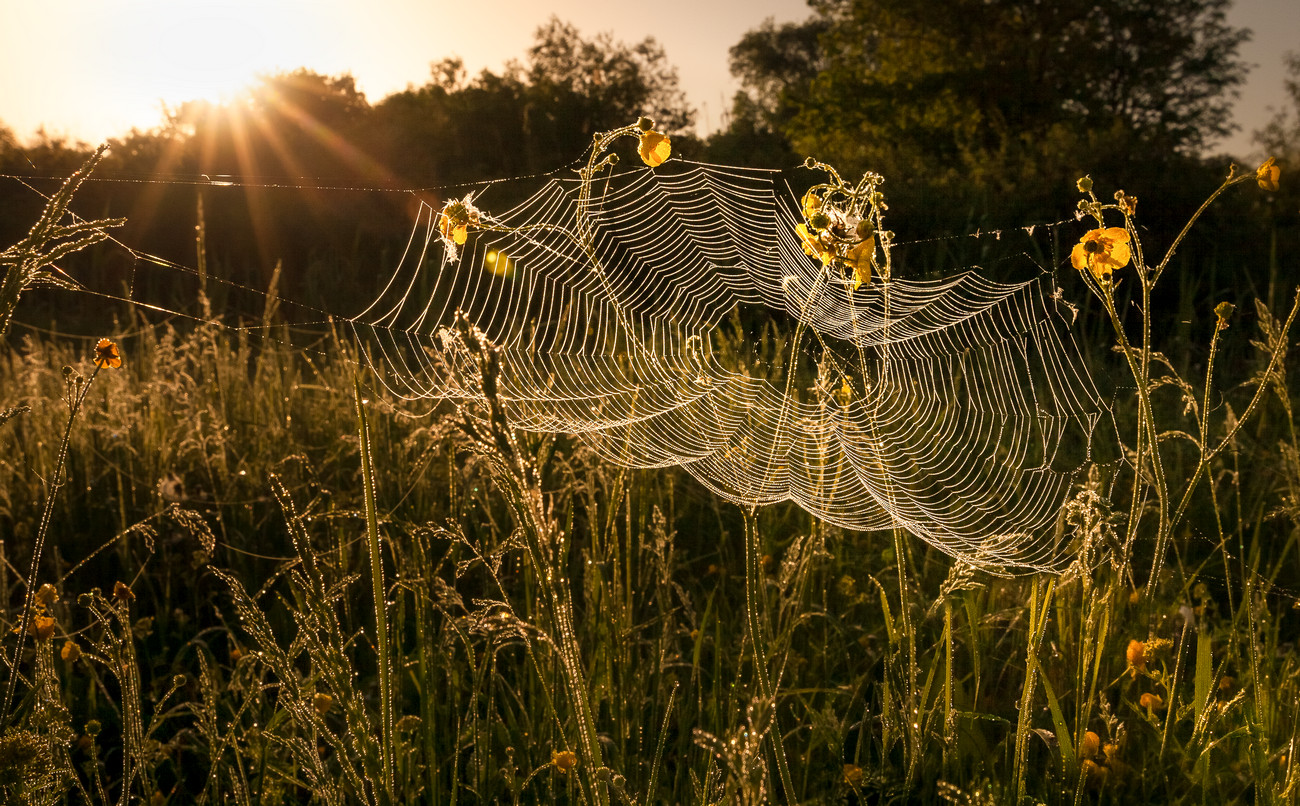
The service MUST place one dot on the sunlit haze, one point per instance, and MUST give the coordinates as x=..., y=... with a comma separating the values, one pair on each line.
x=93, y=69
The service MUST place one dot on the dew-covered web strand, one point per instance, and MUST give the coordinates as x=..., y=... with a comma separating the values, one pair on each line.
x=963, y=391
x=962, y=388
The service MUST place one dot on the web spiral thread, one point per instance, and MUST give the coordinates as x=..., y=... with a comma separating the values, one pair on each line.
x=695, y=332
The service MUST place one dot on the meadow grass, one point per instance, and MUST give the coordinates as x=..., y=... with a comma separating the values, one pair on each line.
x=273, y=583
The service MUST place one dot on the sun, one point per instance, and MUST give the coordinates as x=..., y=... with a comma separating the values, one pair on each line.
x=155, y=53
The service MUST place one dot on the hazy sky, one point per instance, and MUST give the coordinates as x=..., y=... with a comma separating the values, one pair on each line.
x=90, y=69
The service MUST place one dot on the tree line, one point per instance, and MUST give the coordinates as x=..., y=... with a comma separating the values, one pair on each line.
x=979, y=113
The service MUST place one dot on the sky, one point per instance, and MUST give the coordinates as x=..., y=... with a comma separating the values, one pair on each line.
x=92, y=69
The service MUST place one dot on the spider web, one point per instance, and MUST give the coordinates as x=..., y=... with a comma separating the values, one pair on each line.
x=697, y=333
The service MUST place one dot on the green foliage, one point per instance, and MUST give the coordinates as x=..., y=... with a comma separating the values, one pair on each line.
x=981, y=108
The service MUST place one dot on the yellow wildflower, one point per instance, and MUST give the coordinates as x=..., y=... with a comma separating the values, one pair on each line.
x=853, y=775
x=1101, y=251
x=47, y=595
x=1090, y=746
x=812, y=245
x=1222, y=312
x=70, y=651
x=1136, y=654
x=564, y=760
x=106, y=354
x=1128, y=204
x=811, y=203
x=1268, y=174
x=43, y=627
x=322, y=703
x=844, y=396
x=1152, y=702
x=859, y=259
x=654, y=148
x=457, y=216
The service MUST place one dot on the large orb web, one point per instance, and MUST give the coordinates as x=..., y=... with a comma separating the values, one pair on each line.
x=958, y=409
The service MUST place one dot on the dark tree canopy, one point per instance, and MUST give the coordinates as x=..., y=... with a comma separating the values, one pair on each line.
x=1281, y=137
x=303, y=170
x=987, y=99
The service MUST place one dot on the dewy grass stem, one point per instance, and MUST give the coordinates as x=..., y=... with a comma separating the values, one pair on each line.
x=77, y=396
x=756, y=620
x=384, y=661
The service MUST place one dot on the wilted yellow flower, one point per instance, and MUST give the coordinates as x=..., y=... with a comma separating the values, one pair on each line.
x=844, y=395
x=811, y=203
x=654, y=148
x=70, y=651
x=43, y=627
x=812, y=245
x=106, y=354
x=1126, y=202
x=457, y=216
x=322, y=703
x=1223, y=311
x=853, y=775
x=1101, y=251
x=47, y=595
x=122, y=592
x=1268, y=174
x=859, y=259
x=564, y=760
x=1152, y=702
x=1137, y=657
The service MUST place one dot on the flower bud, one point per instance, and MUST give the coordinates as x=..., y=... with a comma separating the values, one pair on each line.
x=1084, y=184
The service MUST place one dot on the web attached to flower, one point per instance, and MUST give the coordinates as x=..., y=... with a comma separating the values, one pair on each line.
x=688, y=327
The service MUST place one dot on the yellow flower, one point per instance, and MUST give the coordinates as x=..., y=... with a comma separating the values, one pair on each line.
x=853, y=775
x=654, y=148
x=1136, y=654
x=844, y=396
x=811, y=203
x=859, y=259
x=43, y=627
x=1223, y=312
x=1101, y=251
x=812, y=246
x=70, y=651
x=1152, y=702
x=47, y=595
x=106, y=354
x=322, y=703
x=1090, y=746
x=564, y=760
x=1128, y=204
x=457, y=216
x=1268, y=174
